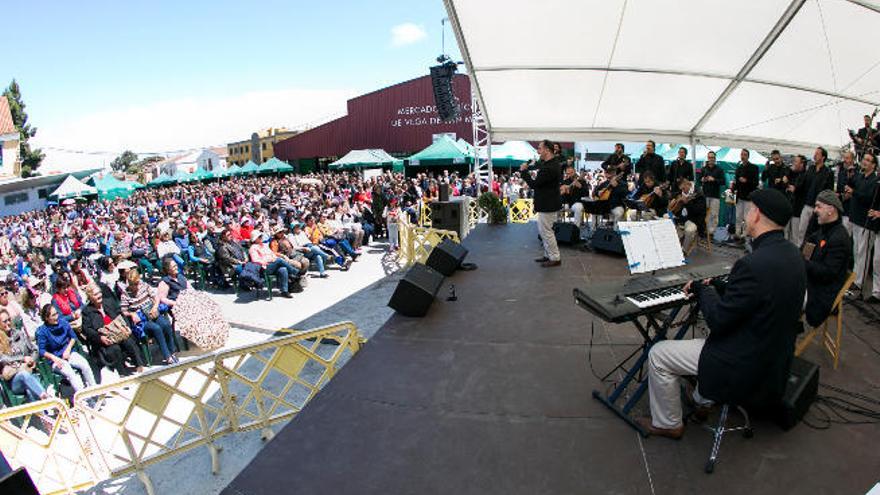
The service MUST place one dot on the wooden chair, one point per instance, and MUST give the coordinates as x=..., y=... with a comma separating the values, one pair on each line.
x=832, y=342
x=704, y=243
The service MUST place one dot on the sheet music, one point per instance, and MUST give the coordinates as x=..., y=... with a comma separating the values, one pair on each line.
x=651, y=245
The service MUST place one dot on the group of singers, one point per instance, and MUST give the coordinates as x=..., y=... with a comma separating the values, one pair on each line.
x=809, y=226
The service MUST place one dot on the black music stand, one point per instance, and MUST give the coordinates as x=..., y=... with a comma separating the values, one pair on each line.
x=661, y=329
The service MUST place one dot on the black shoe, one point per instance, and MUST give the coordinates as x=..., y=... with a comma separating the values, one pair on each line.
x=873, y=300
x=542, y=259
x=286, y=295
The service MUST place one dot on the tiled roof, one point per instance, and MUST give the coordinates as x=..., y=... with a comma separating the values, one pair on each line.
x=7, y=126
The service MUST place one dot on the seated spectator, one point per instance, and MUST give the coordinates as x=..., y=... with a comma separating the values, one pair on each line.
x=829, y=261
x=67, y=302
x=172, y=283
x=301, y=242
x=96, y=316
x=230, y=255
x=18, y=356
x=141, y=252
x=167, y=247
x=272, y=264
x=55, y=341
x=282, y=247
x=139, y=305
x=9, y=304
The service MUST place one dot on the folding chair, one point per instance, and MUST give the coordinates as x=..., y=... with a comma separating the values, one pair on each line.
x=832, y=342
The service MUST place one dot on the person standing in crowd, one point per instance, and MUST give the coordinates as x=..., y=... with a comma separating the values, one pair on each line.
x=746, y=176
x=753, y=321
x=730, y=202
x=55, y=341
x=817, y=179
x=829, y=259
x=795, y=191
x=846, y=172
x=711, y=181
x=680, y=169
x=863, y=196
x=774, y=172
x=547, y=199
x=651, y=162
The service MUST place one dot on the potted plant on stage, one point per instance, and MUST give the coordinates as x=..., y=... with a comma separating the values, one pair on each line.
x=492, y=205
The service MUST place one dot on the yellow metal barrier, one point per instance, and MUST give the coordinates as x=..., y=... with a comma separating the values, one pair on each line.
x=142, y=420
x=42, y=437
x=272, y=381
x=425, y=216
x=522, y=211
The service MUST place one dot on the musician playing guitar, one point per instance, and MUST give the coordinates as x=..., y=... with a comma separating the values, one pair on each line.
x=689, y=210
x=654, y=199
x=608, y=197
x=618, y=161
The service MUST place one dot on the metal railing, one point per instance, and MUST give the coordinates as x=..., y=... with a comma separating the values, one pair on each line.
x=125, y=426
x=417, y=242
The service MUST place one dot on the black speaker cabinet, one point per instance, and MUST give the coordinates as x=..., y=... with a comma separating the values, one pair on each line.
x=18, y=482
x=416, y=291
x=444, y=191
x=451, y=215
x=800, y=392
x=446, y=257
x=608, y=240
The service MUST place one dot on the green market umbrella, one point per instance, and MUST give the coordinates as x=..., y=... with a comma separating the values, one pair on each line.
x=250, y=168
x=444, y=151
x=162, y=180
x=201, y=174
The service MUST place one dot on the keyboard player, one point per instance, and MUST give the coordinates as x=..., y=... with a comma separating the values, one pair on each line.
x=753, y=322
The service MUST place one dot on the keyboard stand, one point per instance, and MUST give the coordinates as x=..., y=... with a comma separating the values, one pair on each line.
x=660, y=323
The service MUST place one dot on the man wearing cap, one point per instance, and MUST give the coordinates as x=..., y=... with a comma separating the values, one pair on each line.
x=753, y=321
x=828, y=257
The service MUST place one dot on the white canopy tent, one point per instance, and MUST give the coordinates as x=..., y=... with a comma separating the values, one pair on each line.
x=73, y=188
x=789, y=74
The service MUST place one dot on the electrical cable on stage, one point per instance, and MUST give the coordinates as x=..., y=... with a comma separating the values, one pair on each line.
x=835, y=410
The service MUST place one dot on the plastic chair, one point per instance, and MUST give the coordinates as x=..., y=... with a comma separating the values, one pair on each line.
x=832, y=342
x=10, y=398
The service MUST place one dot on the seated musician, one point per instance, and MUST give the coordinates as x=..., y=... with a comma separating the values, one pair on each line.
x=828, y=257
x=689, y=212
x=574, y=188
x=653, y=197
x=608, y=197
x=753, y=321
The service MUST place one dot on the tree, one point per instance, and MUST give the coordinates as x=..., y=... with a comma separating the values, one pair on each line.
x=122, y=162
x=30, y=159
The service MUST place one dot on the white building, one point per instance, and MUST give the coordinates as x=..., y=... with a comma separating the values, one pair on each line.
x=19, y=195
x=209, y=159
x=9, y=141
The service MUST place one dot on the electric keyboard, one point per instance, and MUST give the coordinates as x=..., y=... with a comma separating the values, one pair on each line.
x=626, y=299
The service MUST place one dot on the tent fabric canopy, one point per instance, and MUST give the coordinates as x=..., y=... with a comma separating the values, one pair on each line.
x=109, y=187
x=162, y=180
x=371, y=158
x=72, y=188
x=249, y=168
x=443, y=151
x=785, y=74
x=512, y=153
x=275, y=166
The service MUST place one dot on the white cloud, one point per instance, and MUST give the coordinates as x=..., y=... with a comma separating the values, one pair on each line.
x=183, y=124
x=407, y=34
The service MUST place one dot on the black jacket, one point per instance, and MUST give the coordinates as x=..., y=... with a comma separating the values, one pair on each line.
x=695, y=211
x=712, y=189
x=679, y=170
x=864, y=189
x=845, y=177
x=827, y=268
x=796, y=179
x=815, y=182
x=771, y=174
x=546, y=185
x=753, y=325
x=651, y=163
x=744, y=189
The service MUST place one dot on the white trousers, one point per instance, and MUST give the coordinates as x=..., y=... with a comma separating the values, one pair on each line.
x=875, y=280
x=862, y=241
x=577, y=212
x=687, y=234
x=713, y=205
x=617, y=215
x=70, y=368
x=806, y=214
x=742, y=209
x=548, y=238
x=667, y=361
x=792, y=229
x=847, y=225
x=636, y=215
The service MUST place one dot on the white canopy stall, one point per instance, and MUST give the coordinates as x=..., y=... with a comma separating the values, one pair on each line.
x=788, y=74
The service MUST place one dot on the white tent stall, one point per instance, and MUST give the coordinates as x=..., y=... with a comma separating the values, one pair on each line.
x=787, y=74
x=73, y=188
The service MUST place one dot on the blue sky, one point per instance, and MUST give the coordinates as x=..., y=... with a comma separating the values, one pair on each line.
x=101, y=75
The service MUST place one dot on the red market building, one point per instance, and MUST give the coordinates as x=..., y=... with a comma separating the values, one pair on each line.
x=401, y=119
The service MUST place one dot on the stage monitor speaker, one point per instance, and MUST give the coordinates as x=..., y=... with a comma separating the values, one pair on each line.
x=444, y=192
x=566, y=233
x=18, y=482
x=800, y=392
x=444, y=96
x=446, y=257
x=451, y=215
x=607, y=239
x=416, y=291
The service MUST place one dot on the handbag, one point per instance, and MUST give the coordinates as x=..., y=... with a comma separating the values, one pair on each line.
x=117, y=330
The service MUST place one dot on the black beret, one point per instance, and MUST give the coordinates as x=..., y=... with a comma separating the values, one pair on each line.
x=773, y=205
